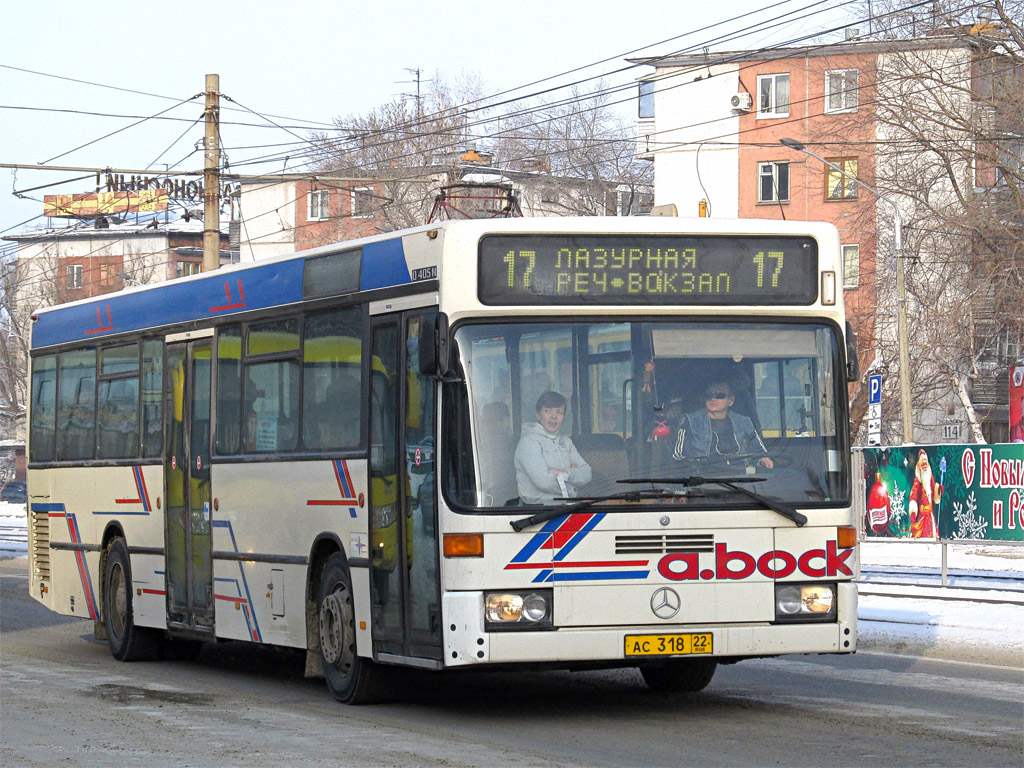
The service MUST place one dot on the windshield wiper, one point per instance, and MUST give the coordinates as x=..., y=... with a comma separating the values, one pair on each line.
x=733, y=484
x=549, y=513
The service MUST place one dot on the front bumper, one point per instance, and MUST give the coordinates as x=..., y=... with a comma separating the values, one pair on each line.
x=466, y=642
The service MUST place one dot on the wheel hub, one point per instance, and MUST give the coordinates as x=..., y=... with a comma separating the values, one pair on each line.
x=332, y=627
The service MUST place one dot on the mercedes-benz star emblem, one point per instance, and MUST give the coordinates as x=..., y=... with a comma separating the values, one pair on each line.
x=665, y=603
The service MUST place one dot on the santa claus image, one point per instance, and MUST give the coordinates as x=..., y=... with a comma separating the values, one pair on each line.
x=924, y=495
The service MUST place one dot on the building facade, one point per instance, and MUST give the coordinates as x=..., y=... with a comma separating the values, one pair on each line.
x=714, y=125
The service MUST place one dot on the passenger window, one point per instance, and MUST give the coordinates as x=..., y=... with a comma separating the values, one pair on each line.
x=331, y=379
x=152, y=385
x=270, y=389
x=76, y=405
x=42, y=435
x=229, y=390
x=118, y=403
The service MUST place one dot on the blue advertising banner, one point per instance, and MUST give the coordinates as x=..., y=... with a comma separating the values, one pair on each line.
x=945, y=492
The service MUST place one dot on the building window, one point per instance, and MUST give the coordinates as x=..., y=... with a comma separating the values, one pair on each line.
x=74, y=276
x=108, y=273
x=634, y=203
x=549, y=195
x=774, y=182
x=1008, y=347
x=646, y=101
x=362, y=203
x=851, y=266
x=185, y=268
x=841, y=90
x=318, y=205
x=841, y=186
x=773, y=95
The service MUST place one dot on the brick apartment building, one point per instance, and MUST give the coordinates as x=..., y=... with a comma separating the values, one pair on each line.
x=713, y=124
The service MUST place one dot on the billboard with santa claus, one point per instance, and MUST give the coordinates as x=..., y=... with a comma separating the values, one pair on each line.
x=1017, y=404
x=945, y=492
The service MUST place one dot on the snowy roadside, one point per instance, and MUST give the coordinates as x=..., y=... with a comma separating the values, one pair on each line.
x=971, y=630
x=917, y=625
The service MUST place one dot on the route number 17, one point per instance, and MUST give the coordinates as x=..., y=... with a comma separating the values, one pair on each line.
x=527, y=260
x=760, y=260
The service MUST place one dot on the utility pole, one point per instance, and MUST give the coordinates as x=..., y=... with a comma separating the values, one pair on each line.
x=211, y=176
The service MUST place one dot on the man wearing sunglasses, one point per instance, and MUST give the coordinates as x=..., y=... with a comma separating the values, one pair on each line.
x=717, y=433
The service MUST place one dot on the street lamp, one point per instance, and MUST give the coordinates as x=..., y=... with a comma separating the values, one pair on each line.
x=901, y=290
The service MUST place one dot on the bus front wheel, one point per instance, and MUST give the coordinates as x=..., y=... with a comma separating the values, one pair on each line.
x=678, y=676
x=127, y=641
x=351, y=679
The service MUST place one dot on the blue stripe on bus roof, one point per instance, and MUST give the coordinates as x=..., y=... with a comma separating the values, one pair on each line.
x=223, y=293
x=383, y=265
x=215, y=295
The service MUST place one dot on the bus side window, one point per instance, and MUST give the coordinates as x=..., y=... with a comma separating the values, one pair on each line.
x=331, y=380
x=44, y=408
x=229, y=389
x=76, y=405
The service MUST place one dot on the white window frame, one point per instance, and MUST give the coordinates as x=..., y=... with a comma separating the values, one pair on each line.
x=772, y=168
x=319, y=201
x=774, y=108
x=851, y=256
x=848, y=93
x=75, y=273
x=366, y=192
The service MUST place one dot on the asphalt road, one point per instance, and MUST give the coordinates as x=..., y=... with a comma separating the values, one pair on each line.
x=65, y=701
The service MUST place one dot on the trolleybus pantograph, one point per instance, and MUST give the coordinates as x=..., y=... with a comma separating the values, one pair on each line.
x=318, y=452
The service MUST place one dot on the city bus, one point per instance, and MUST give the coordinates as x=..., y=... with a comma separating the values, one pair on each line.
x=319, y=452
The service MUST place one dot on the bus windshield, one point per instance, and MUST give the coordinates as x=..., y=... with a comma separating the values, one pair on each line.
x=762, y=401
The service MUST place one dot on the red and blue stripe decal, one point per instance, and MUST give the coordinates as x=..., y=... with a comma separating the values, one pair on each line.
x=562, y=535
x=244, y=597
x=142, y=493
x=56, y=511
x=345, y=486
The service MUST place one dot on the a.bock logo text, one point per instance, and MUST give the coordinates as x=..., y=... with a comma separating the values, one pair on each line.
x=775, y=564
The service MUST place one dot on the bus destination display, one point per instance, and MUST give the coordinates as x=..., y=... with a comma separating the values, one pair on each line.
x=648, y=269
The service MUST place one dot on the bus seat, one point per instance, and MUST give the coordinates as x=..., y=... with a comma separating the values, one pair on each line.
x=606, y=455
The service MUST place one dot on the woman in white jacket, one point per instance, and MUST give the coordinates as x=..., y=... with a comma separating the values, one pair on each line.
x=548, y=466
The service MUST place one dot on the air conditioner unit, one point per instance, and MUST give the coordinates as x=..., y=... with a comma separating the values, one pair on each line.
x=742, y=102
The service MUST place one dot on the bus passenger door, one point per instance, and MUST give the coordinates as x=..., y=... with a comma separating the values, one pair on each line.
x=403, y=509
x=188, y=543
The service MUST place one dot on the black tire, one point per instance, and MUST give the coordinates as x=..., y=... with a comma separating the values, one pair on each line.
x=679, y=676
x=127, y=642
x=351, y=678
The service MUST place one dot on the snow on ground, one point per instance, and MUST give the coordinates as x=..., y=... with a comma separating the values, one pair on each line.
x=971, y=630
x=13, y=530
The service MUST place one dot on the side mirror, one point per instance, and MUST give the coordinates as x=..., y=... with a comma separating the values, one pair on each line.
x=852, y=364
x=433, y=344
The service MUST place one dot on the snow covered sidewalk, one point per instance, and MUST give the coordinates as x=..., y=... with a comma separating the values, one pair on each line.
x=922, y=624
x=919, y=624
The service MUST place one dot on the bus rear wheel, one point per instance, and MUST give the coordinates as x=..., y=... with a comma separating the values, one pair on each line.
x=350, y=678
x=127, y=641
x=678, y=676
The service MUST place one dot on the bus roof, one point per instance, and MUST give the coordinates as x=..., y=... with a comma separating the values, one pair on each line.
x=389, y=261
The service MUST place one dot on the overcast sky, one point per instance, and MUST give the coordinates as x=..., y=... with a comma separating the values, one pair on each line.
x=305, y=62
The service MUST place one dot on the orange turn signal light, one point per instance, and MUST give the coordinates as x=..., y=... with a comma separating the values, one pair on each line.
x=846, y=537
x=463, y=545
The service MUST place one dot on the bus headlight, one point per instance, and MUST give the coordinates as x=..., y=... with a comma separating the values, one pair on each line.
x=518, y=610
x=805, y=602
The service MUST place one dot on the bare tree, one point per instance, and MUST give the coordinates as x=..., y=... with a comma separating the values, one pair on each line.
x=402, y=141
x=586, y=146
x=13, y=353
x=949, y=117
x=578, y=146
